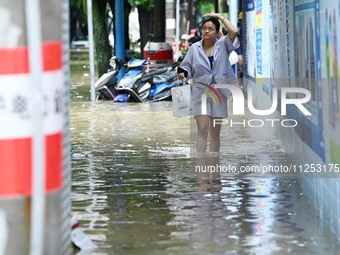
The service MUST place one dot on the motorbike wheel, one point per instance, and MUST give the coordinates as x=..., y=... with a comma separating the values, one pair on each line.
x=104, y=95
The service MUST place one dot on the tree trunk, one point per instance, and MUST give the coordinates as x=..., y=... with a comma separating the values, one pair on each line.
x=74, y=14
x=101, y=41
x=113, y=10
x=159, y=21
x=127, y=10
x=145, y=23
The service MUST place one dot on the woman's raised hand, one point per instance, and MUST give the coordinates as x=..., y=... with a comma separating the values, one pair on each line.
x=213, y=15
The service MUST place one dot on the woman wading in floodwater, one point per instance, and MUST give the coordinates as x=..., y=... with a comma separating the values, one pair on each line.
x=207, y=63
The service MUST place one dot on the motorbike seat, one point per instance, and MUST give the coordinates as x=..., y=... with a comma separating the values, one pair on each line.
x=148, y=76
x=167, y=76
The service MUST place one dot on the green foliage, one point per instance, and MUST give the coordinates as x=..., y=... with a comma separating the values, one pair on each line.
x=206, y=6
x=147, y=4
x=81, y=5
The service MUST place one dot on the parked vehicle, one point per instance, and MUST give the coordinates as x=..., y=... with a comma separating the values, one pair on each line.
x=105, y=85
x=138, y=83
x=161, y=85
x=138, y=88
x=154, y=85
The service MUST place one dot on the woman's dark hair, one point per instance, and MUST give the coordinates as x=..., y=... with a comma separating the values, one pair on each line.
x=214, y=21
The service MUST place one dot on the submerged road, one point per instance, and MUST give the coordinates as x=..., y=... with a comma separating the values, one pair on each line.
x=138, y=188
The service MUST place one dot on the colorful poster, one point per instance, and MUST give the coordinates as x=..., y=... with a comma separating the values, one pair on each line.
x=275, y=43
x=259, y=36
x=329, y=55
x=306, y=72
x=251, y=38
x=266, y=28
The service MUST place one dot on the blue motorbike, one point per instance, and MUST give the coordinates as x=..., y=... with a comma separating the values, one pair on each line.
x=138, y=83
x=105, y=86
x=149, y=85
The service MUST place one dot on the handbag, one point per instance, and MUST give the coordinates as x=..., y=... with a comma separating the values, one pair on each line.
x=181, y=101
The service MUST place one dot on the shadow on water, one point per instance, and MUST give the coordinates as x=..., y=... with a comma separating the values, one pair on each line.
x=136, y=188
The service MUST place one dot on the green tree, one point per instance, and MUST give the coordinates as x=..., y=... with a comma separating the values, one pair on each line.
x=103, y=50
x=206, y=6
x=101, y=41
x=147, y=4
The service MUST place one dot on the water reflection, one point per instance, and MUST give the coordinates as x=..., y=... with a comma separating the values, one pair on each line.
x=135, y=189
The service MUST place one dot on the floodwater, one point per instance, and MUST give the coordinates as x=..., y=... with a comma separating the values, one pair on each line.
x=137, y=189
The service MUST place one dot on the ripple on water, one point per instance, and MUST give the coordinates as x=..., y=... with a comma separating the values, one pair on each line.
x=135, y=190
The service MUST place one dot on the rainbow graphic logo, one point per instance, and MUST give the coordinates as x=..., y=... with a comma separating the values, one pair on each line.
x=212, y=93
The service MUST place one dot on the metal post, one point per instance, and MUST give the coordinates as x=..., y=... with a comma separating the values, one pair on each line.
x=33, y=21
x=233, y=11
x=91, y=49
x=119, y=40
x=233, y=17
x=177, y=29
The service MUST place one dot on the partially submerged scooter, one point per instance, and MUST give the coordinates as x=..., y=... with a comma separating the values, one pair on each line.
x=139, y=83
x=138, y=88
x=105, y=85
x=152, y=86
x=161, y=86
